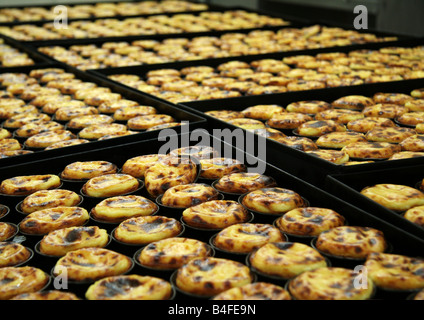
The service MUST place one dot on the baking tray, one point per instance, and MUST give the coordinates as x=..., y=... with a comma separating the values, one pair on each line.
x=51, y=7
x=143, y=69
x=401, y=241
x=194, y=121
x=160, y=37
x=214, y=8
x=38, y=58
x=297, y=162
x=348, y=186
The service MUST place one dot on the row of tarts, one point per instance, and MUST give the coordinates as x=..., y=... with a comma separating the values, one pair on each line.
x=187, y=224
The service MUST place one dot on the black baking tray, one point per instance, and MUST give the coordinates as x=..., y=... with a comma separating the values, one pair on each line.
x=307, y=167
x=349, y=185
x=120, y=16
x=213, y=8
x=401, y=241
x=66, y=43
x=143, y=69
x=194, y=121
x=38, y=58
x=297, y=162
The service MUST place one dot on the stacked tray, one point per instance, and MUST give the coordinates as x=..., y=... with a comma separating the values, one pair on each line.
x=290, y=160
x=401, y=242
x=177, y=114
x=150, y=25
x=90, y=10
x=348, y=186
x=131, y=51
x=14, y=54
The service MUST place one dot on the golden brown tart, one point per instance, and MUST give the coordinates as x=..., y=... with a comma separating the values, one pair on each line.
x=113, y=106
x=353, y=102
x=9, y=145
x=43, y=221
x=406, y=155
x=19, y=120
x=47, y=295
x=262, y=112
x=25, y=185
x=91, y=264
x=120, y=208
x=110, y=185
x=7, y=231
x=247, y=123
x=289, y=120
x=187, y=195
x=210, y=276
x=410, y=119
x=146, y=121
x=130, y=287
x=70, y=112
x=310, y=107
x=13, y=254
x=96, y=131
x=285, y=259
x=351, y=241
x=298, y=143
x=104, y=97
x=272, y=200
x=245, y=237
x=394, y=196
x=371, y=150
x=217, y=167
x=172, y=253
x=415, y=215
x=395, y=98
x=335, y=156
x=329, y=283
x=309, y=221
x=418, y=93
x=390, y=111
x=199, y=152
x=45, y=199
x=45, y=139
x=343, y=116
x=368, y=123
x=416, y=105
x=137, y=166
x=255, y=291
x=18, y=280
x=395, y=271
x=61, y=241
x=67, y=143
x=168, y=172
x=84, y=170
x=52, y=106
x=129, y=112
x=225, y=114
x=33, y=128
x=317, y=128
x=215, y=214
x=146, y=229
x=338, y=140
x=243, y=182
x=84, y=121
